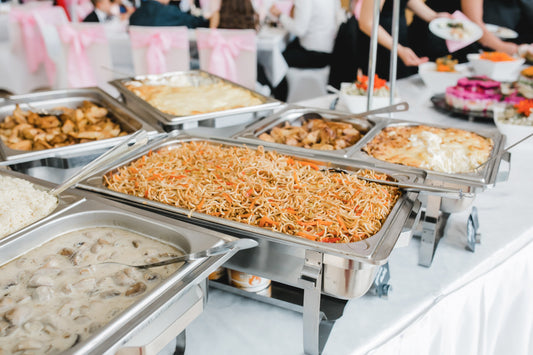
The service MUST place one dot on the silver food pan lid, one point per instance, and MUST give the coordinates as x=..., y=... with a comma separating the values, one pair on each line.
x=72, y=98
x=295, y=116
x=474, y=181
x=65, y=201
x=375, y=249
x=96, y=212
x=193, y=78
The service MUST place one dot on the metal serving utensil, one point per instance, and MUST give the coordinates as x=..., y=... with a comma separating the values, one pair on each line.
x=141, y=138
x=220, y=249
x=44, y=112
x=434, y=190
x=504, y=151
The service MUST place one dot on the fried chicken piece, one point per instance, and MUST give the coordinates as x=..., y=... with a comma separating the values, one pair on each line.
x=21, y=145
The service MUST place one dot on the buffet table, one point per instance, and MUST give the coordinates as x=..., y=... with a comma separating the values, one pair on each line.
x=465, y=303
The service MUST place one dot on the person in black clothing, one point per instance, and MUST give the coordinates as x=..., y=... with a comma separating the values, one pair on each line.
x=514, y=14
x=101, y=13
x=159, y=13
x=409, y=61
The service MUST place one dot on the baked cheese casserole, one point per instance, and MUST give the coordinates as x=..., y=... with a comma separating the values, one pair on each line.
x=448, y=150
x=194, y=100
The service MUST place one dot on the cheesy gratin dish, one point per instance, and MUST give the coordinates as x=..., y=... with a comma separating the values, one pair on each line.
x=448, y=150
x=194, y=100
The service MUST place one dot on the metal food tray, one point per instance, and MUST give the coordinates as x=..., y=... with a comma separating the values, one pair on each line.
x=65, y=201
x=472, y=182
x=295, y=115
x=185, y=78
x=349, y=258
x=54, y=157
x=145, y=312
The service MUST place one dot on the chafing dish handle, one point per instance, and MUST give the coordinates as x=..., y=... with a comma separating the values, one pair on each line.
x=172, y=327
x=503, y=173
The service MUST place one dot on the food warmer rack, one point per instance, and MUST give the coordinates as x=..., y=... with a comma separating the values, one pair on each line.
x=160, y=315
x=437, y=206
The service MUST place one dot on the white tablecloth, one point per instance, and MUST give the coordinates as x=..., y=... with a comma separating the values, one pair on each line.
x=465, y=303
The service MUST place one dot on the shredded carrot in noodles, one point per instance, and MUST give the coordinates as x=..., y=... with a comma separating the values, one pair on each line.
x=261, y=188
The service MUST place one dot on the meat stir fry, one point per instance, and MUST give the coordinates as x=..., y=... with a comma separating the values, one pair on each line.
x=315, y=134
x=28, y=130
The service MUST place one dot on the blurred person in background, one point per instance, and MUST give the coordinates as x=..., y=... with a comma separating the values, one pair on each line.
x=409, y=60
x=314, y=24
x=103, y=11
x=234, y=14
x=159, y=13
x=514, y=14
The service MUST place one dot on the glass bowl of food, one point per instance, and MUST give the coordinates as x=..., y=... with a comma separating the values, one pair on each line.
x=354, y=95
x=515, y=120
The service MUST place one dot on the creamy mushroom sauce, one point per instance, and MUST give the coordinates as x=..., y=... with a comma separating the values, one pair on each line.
x=51, y=300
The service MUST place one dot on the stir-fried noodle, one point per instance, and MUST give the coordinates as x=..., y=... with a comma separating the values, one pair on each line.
x=261, y=188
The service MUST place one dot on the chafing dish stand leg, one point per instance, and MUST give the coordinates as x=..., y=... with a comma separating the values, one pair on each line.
x=429, y=238
x=311, y=282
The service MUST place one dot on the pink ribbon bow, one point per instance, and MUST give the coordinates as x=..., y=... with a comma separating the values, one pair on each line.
x=159, y=44
x=224, y=53
x=34, y=47
x=80, y=72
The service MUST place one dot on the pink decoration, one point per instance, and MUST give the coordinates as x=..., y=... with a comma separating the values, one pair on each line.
x=225, y=51
x=80, y=72
x=159, y=43
x=34, y=47
x=454, y=46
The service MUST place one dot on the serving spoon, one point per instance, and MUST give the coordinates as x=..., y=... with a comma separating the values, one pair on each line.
x=141, y=138
x=220, y=249
x=504, y=151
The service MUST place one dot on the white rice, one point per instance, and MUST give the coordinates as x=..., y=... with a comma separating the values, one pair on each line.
x=21, y=204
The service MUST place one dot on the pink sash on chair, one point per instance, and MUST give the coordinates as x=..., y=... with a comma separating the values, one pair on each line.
x=35, y=50
x=80, y=72
x=159, y=43
x=225, y=51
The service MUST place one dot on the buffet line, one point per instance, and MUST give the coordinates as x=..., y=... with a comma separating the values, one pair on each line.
x=326, y=196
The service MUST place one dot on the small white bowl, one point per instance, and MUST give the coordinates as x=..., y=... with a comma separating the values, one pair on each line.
x=501, y=71
x=513, y=132
x=357, y=103
x=438, y=81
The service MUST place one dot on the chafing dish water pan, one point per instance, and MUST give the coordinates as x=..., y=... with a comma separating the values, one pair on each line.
x=348, y=257
x=179, y=287
x=72, y=98
x=193, y=78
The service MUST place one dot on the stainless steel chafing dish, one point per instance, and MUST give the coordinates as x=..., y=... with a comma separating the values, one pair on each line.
x=344, y=264
x=65, y=201
x=161, y=314
x=184, y=79
x=295, y=116
x=57, y=157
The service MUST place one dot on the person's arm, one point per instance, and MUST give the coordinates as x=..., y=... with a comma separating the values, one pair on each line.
x=384, y=38
x=473, y=9
x=300, y=22
x=214, y=20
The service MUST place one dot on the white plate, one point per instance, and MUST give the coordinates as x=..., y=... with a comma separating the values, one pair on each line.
x=440, y=27
x=502, y=32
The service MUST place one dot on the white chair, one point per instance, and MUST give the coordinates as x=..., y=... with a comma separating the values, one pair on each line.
x=85, y=50
x=30, y=68
x=306, y=83
x=158, y=50
x=230, y=54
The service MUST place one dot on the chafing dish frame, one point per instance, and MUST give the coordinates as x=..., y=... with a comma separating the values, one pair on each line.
x=171, y=122
x=187, y=281
x=128, y=120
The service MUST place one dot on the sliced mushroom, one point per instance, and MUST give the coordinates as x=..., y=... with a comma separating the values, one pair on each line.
x=136, y=289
